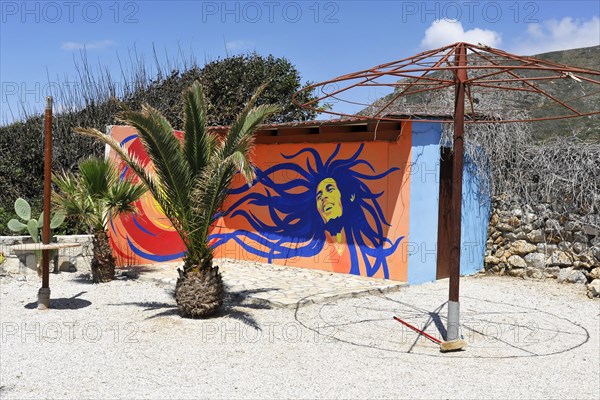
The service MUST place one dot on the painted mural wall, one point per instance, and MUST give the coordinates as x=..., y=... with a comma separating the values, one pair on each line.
x=364, y=208
x=336, y=207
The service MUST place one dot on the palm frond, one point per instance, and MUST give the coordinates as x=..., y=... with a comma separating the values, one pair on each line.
x=122, y=195
x=242, y=163
x=97, y=176
x=165, y=152
x=230, y=156
x=238, y=126
x=211, y=191
x=198, y=142
x=131, y=160
x=257, y=115
x=241, y=137
x=96, y=194
x=72, y=199
x=69, y=197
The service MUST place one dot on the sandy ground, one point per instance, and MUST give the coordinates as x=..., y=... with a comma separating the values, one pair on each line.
x=527, y=339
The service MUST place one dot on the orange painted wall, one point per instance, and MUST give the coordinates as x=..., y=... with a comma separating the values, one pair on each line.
x=374, y=185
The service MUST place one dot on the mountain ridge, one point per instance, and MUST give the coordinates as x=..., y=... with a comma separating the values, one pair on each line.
x=584, y=96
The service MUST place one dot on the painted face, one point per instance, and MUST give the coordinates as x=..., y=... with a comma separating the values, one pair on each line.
x=329, y=199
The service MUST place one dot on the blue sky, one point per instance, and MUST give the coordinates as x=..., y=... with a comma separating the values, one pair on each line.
x=324, y=39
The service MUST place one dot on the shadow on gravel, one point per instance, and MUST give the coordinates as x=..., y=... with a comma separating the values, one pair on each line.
x=168, y=308
x=235, y=303
x=437, y=320
x=71, y=303
x=120, y=275
x=84, y=278
x=234, y=306
x=132, y=272
x=237, y=298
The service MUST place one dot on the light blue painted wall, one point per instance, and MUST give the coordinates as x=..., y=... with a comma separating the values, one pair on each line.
x=424, y=194
x=424, y=200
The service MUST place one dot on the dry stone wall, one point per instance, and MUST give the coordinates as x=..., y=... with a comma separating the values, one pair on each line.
x=26, y=262
x=538, y=242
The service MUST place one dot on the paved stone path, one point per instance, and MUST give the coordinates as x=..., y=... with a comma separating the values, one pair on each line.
x=278, y=286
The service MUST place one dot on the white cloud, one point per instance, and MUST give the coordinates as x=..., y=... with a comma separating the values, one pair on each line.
x=99, y=44
x=444, y=32
x=235, y=45
x=552, y=35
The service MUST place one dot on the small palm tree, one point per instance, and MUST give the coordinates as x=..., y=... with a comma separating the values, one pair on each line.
x=191, y=182
x=92, y=198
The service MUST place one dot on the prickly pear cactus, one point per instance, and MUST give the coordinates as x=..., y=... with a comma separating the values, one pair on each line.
x=33, y=226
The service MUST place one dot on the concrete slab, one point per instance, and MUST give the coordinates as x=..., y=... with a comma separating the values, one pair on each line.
x=277, y=286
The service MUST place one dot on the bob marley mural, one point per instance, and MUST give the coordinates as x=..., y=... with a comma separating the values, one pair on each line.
x=328, y=203
x=340, y=207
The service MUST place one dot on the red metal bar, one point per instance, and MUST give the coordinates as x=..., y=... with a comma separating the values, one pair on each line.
x=531, y=85
x=505, y=69
x=506, y=80
x=366, y=74
x=402, y=93
x=583, y=78
x=489, y=61
x=516, y=89
x=542, y=64
x=428, y=336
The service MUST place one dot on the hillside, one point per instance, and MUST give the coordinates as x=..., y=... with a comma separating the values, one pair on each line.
x=582, y=95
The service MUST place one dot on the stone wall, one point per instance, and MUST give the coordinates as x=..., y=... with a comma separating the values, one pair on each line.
x=538, y=242
x=25, y=262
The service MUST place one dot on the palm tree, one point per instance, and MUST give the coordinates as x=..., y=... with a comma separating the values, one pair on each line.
x=92, y=198
x=190, y=182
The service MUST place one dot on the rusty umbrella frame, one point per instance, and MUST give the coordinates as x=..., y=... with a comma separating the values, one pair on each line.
x=491, y=69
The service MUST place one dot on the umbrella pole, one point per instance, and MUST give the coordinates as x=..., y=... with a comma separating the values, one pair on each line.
x=44, y=292
x=453, y=339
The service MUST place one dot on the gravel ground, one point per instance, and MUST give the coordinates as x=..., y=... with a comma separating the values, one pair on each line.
x=527, y=339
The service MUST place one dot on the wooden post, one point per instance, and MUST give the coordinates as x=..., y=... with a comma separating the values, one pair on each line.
x=453, y=341
x=44, y=292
